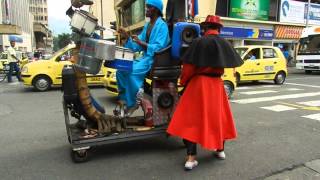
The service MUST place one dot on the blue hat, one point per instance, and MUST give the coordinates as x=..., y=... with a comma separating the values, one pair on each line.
x=156, y=3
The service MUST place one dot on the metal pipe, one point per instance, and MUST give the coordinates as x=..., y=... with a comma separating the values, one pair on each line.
x=308, y=13
x=186, y=9
x=101, y=9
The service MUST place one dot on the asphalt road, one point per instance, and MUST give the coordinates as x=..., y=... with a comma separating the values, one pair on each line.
x=278, y=128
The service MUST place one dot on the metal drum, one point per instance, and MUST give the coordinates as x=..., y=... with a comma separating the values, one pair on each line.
x=83, y=22
x=92, y=54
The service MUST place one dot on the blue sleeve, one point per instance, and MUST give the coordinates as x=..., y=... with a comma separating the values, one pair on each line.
x=134, y=46
x=160, y=39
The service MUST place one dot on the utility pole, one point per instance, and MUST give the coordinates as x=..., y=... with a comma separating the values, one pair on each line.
x=101, y=9
x=308, y=13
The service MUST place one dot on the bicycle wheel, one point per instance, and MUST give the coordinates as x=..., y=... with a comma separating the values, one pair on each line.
x=3, y=75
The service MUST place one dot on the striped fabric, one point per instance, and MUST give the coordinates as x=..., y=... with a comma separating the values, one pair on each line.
x=193, y=8
x=288, y=32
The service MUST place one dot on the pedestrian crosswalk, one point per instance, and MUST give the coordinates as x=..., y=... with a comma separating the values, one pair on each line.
x=280, y=99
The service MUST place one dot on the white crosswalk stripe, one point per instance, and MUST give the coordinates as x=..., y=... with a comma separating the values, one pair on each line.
x=273, y=98
x=311, y=103
x=313, y=117
x=279, y=108
x=258, y=92
x=244, y=88
x=293, y=89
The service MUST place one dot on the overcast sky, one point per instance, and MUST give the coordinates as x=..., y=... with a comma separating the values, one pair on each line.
x=58, y=21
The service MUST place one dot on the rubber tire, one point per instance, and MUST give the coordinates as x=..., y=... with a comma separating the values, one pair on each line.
x=79, y=158
x=37, y=86
x=308, y=72
x=228, y=86
x=280, y=81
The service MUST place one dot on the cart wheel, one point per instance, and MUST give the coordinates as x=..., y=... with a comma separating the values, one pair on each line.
x=79, y=156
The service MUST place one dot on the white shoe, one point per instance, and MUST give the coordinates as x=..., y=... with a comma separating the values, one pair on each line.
x=220, y=155
x=190, y=165
x=131, y=110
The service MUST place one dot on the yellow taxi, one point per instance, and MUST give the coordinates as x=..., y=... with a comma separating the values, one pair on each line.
x=261, y=63
x=43, y=74
x=110, y=82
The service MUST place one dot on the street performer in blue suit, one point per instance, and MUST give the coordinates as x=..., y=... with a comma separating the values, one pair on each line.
x=153, y=38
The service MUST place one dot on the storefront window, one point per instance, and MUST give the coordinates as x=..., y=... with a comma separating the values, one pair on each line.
x=133, y=13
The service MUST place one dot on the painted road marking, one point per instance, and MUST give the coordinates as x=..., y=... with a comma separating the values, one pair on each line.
x=310, y=103
x=304, y=85
x=294, y=89
x=313, y=117
x=310, y=108
x=244, y=88
x=273, y=98
x=258, y=92
x=270, y=86
x=279, y=108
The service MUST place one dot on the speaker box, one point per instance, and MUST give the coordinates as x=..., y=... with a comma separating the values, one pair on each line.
x=165, y=98
x=183, y=35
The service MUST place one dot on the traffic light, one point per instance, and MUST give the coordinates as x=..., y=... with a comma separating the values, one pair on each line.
x=113, y=25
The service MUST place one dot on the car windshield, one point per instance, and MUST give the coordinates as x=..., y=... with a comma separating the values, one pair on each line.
x=55, y=54
x=310, y=45
x=47, y=56
x=241, y=51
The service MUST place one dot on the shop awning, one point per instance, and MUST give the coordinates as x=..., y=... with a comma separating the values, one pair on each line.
x=15, y=38
x=288, y=32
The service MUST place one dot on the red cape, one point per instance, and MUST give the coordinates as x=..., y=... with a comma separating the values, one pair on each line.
x=203, y=113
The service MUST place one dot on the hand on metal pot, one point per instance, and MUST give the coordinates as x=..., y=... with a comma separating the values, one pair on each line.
x=135, y=38
x=123, y=33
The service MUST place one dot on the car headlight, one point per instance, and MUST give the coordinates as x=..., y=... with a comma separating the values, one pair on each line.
x=24, y=69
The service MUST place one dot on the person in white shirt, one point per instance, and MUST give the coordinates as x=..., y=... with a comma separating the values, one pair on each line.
x=13, y=62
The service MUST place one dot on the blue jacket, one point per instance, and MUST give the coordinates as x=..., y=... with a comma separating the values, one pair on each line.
x=129, y=83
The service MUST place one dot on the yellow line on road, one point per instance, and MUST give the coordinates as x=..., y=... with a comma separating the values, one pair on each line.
x=310, y=108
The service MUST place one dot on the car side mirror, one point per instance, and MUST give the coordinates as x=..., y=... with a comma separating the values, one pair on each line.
x=58, y=59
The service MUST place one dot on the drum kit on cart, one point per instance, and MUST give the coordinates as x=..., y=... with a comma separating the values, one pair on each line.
x=86, y=121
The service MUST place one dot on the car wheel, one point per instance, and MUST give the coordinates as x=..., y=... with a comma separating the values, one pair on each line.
x=228, y=87
x=308, y=71
x=280, y=78
x=42, y=83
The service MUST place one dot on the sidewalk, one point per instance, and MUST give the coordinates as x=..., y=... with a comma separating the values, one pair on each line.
x=307, y=171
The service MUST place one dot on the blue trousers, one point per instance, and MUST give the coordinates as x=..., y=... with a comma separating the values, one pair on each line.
x=13, y=67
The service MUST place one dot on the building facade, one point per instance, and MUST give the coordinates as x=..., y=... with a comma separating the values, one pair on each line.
x=266, y=22
x=14, y=12
x=104, y=11
x=39, y=9
x=43, y=35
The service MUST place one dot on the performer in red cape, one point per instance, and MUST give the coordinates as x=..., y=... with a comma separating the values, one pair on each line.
x=203, y=115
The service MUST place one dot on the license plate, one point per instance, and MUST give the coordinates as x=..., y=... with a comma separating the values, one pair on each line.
x=95, y=79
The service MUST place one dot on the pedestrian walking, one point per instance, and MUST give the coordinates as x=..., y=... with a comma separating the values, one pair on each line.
x=203, y=114
x=13, y=62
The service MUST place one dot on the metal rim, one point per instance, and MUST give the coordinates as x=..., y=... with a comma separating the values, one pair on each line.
x=280, y=78
x=42, y=84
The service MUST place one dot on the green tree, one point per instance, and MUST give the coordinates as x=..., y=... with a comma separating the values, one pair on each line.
x=61, y=41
